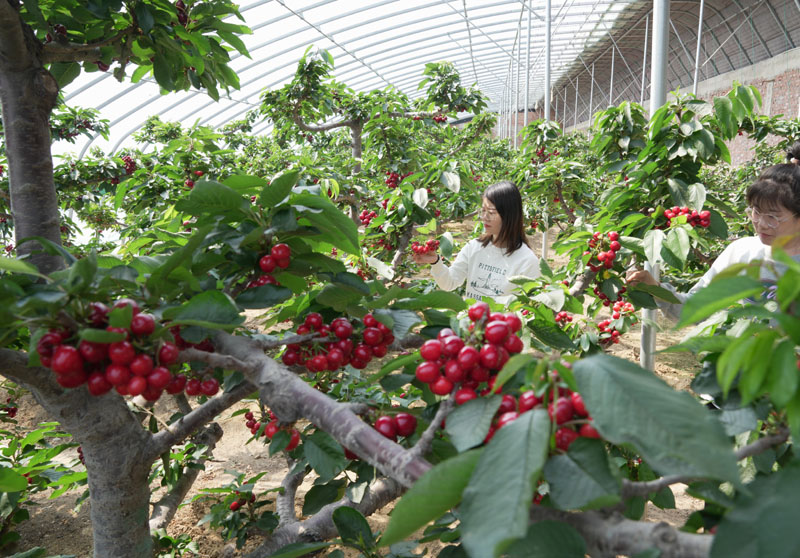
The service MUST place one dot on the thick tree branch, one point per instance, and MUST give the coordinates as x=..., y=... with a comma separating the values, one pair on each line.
x=320, y=526
x=631, y=489
x=402, y=245
x=14, y=53
x=608, y=535
x=297, y=119
x=291, y=399
x=183, y=427
x=423, y=445
x=74, y=52
x=164, y=510
x=582, y=283
x=285, y=501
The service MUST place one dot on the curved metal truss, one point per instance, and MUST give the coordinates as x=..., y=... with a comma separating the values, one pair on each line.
x=598, y=53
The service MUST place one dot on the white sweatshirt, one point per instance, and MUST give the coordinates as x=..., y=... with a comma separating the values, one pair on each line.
x=486, y=270
x=743, y=250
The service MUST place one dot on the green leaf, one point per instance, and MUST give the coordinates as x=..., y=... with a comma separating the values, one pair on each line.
x=319, y=496
x=552, y=335
x=65, y=72
x=11, y=481
x=723, y=110
x=677, y=244
x=212, y=198
x=582, y=479
x=469, y=423
x=652, y=242
x=782, y=379
x=18, y=266
x=353, y=528
x=763, y=521
x=295, y=550
x=436, y=492
x=162, y=71
x=658, y=292
x=756, y=365
x=100, y=335
x=496, y=503
x=278, y=189
x=451, y=181
x=143, y=17
x=718, y=295
x=511, y=367
x=325, y=455
x=208, y=309
x=550, y=539
x=339, y=229
x=420, y=197
x=674, y=433
x=32, y=7
x=264, y=296
x=433, y=299
x=158, y=276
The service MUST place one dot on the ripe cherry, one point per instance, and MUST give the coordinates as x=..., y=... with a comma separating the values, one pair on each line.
x=387, y=426
x=235, y=505
x=380, y=351
x=427, y=371
x=98, y=314
x=137, y=385
x=506, y=418
x=445, y=332
x=123, y=302
x=452, y=345
x=159, y=378
x=477, y=311
x=342, y=329
x=66, y=360
x=209, y=387
x=176, y=384
x=496, y=332
x=189, y=183
x=513, y=344
x=479, y=374
x=442, y=386
x=141, y=365
x=72, y=379
x=271, y=429
x=335, y=359
x=317, y=363
x=514, y=322
x=294, y=439
x=490, y=356
x=464, y=394
x=468, y=357
x=564, y=437
x=121, y=352
x=372, y=336
x=527, y=401
x=508, y=404
x=93, y=352
x=588, y=431
x=431, y=349
x=578, y=405
x=362, y=352
x=281, y=251
x=563, y=412
x=117, y=374
x=192, y=387
x=97, y=384
x=453, y=371
x=314, y=320
x=267, y=264
x=168, y=353
x=143, y=324
x=406, y=424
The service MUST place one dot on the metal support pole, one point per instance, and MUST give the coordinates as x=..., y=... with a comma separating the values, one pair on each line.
x=644, y=59
x=591, y=94
x=575, y=120
x=697, y=51
x=548, y=5
x=528, y=65
x=516, y=89
x=611, y=85
x=658, y=96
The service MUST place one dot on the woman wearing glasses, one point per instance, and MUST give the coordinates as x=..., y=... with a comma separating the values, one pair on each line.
x=501, y=252
x=773, y=202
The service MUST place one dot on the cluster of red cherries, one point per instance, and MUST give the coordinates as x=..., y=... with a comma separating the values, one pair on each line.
x=130, y=164
x=603, y=250
x=366, y=217
x=621, y=309
x=279, y=257
x=241, y=501
x=693, y=217
x=394, y=179
x=449, y=360
x=440, y=118
x=136, y=364
x=385, y=203
x=608, y=333
x=563, y=317
x=431, y=245
x=270, y=428
x=335, y=346
x=390, y=426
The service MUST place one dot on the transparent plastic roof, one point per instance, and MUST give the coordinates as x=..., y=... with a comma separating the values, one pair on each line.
x=375, y=44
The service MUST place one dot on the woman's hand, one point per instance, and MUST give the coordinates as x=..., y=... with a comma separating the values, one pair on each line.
x=426, y=258
x=635, y=276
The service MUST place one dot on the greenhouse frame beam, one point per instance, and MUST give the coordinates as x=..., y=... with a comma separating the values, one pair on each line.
x=780, y=23
x=748, y=14
x=697, y=50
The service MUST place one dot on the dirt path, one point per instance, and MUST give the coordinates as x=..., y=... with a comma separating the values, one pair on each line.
x=55, y=526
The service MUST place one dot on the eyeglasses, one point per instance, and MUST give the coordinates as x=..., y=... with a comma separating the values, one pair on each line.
x=490, y=213
x=767, y=219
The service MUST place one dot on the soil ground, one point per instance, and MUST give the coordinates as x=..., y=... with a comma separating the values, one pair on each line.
x=61, y=530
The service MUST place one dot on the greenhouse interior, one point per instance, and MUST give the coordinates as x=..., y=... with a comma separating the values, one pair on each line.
x=384, y=279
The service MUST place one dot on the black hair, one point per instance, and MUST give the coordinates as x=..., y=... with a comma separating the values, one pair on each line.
x=777, y=186
x=508, y=202
x=793, y=153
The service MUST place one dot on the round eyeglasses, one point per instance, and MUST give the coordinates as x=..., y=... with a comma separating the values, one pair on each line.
x=767, y=219
x=490, y=213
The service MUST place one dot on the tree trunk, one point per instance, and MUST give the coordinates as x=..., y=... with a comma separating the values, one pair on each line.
x=28, y=94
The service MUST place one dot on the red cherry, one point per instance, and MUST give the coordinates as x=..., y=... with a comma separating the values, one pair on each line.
x=168, y=353
x=209, y=387
x=564, y=410
x=313, y=320
x=490, y=356
x=176, y=384
x=477, y=311
x=281, y=252
x=514, y=322
x=431, y=349
x=97, y=384
x=67, y=360
x=48, y=343
x=159, y=378
x=235, y=505
x=372, y=336
x=137, y=385
x=479, y=374
x=508, y=404
x=98, y=314
x=379, y=351
x=152, y=394
x=564, y=437
x=527, y=401
x=406, y=424
x=387, y=426
x=317, y=363
x=588, y=431
x=577, y=404
x=496, y=332
x=72, y=379
x=452, y=345
x=442, y=386
x=506, y=418
x=294, y=440
x=282, y=263
x=453, y=371
x=117, y=374
x=427, y=372
x=445, y=332
x=362, y=352
x=93, y=352
x=267, y=264
x=121, y=352
x=141, y=365
x=613, y=235
x=193, y=387
x=143, y=324
x=468, y=357
x=189, y=183
x=290, y=357
x=464, y=394
x=198, y=173
x=342, y=329
x=513, y=344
